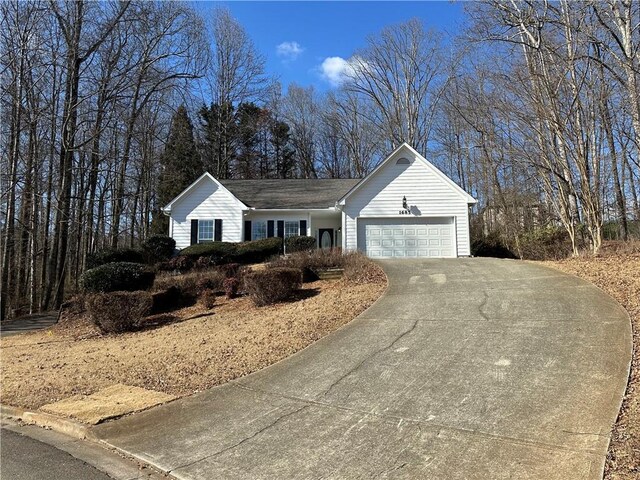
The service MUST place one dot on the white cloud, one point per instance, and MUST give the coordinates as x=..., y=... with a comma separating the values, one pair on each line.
x=289, y=51
x=336, y=70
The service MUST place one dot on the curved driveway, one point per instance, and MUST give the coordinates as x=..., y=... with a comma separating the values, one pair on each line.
x=464, y=369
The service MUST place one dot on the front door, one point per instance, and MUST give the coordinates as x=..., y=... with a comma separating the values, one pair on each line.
x=325, y=240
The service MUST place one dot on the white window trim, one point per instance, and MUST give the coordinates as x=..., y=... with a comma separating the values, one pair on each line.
x=253, y=226
x=213, y=230
x=297, y=222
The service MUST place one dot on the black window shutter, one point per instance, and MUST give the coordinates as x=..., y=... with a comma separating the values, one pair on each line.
x=194, y=232
x=270, y=228
x=217, y=230
x=281, y=228
x=247, y=230
x=303, y=228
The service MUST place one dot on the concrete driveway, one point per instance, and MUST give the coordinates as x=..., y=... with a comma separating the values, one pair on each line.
x=464, y=369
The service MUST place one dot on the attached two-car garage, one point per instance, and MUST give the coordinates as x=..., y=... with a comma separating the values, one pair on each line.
x=406, y=208
x=407, y=237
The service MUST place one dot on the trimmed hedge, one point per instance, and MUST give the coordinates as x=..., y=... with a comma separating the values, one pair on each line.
x=221, y=253
x=272, y=285
x=158, y=248
x=117, y=276
x=258, y=251
x=300, y=244
x=111, y=255
x=118, y=312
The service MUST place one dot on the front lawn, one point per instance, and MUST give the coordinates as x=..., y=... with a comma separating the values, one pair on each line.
x=233, y=339
x=618, y=274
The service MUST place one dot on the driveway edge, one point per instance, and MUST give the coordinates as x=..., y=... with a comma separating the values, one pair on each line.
x=621, y=395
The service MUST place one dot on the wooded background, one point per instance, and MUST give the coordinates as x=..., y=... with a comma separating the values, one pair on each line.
x=110, y=109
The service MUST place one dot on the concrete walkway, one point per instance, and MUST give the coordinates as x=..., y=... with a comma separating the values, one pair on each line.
x=465, y=369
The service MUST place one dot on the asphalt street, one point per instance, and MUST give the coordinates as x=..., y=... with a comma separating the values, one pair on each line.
x=23, y=458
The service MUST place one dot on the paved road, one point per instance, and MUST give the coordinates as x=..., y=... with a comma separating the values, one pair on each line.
x=465, y=369
x=23, y=458
x=28, y=323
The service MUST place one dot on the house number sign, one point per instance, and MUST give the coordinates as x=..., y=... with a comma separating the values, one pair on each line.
x=404, y=212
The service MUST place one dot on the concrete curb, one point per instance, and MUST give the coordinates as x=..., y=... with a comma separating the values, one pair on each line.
x=47, y=420
x=78, y=440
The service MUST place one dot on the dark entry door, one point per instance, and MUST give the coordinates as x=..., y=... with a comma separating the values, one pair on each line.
x=325, y=238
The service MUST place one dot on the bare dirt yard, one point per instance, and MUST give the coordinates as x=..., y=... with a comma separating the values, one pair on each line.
x=618, y=274
x=233, y=339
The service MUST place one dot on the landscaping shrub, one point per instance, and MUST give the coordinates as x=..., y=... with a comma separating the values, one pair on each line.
x=300, y=244
x=208, y=299
x=258, y=251
x=550, y=243
x=117, y=276
x=118, y=312
x=491, y=245
x=310, y=263
x=111, y=255
x=218, y=252
x=272, y=285
x=231, y=286
x=358, y=268
x=230, y=270
x=167, y=300
x=158, y=248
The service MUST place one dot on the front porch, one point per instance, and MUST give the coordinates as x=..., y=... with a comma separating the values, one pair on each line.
x=325, y=225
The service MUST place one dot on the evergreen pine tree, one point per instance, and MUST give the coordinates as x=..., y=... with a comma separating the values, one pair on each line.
x=180, y=165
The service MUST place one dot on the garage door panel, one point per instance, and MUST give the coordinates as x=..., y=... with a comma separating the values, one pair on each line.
x=400, y=238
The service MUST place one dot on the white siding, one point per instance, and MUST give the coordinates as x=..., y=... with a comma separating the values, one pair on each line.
x=206, y=201
x=427, y=193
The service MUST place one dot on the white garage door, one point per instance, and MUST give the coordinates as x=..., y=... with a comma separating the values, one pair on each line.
x=410, y=237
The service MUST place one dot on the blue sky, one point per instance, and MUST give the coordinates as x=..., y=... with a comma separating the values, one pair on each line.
x=306, y=42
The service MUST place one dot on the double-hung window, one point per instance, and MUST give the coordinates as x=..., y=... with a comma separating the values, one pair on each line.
x=258, y=230
x=291, y=229
x=206, y=230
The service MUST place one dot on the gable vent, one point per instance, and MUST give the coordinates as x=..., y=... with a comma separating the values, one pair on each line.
x=403, y=161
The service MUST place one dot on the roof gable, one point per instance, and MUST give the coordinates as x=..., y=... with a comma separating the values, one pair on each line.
x=206, y=175
x=413, y=153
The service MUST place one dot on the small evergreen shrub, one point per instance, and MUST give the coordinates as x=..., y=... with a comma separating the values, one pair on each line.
x=300, y=244
x=117, y=276
x=231, y=286
x=258, y=251
x=219, y=252
x=118, y=312
x=158, y=248
x=272, y=285
x=111, y=255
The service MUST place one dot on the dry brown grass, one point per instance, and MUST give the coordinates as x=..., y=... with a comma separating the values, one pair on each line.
x=181, y=358
x=617, y=272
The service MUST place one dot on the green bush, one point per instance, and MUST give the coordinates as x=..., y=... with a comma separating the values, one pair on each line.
x=111, y=255
x=118, y=312
x=258, y=251
x=272, y=285
x=158, y=248
x=218, y=252
x=221, y=253
x=117, y=276
x=300, y=244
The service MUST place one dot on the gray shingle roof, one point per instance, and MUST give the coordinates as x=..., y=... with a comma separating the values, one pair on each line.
x=290, y=193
